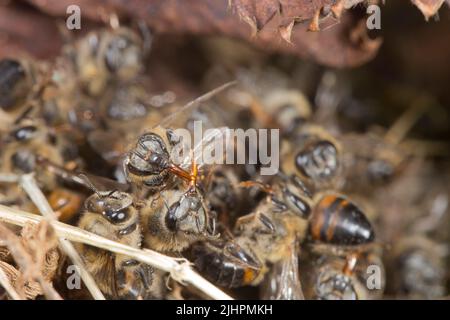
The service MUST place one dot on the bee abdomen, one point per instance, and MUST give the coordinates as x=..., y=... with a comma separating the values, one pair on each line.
x=336, y=220
x=222, y=270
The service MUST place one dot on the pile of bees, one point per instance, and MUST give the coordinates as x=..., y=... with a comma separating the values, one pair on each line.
x=329, y=225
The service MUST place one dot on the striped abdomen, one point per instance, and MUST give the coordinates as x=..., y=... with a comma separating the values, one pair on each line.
x=336, y=220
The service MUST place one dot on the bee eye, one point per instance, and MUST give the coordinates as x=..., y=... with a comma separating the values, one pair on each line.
x=171, y=217
x=11, y=75
x=194, y=204
x=24, y=133
x=116, y=216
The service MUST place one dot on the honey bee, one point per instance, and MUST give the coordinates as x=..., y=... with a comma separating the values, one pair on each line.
x=226, y=263
x=175, y=219
x=283, y=108
x=224, y=195
x=369, y=161
x=112, y=214
x=314, y=155
x=149, y=162
x=124, y=114
x=261, y=238
x=126, y=107
x=107, y=55
x=289, y=215
x=418, y=268
x=27, y=140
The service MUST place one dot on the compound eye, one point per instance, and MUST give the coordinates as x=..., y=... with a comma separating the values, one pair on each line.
x=171, y=217
x=116, y=216
x=24, y=133
x=12, y=74
x=194, y=204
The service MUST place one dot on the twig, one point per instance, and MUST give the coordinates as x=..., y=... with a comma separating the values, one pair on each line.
x=181, y=272
x=30, y=186
x=6, y=284
x=8, y=178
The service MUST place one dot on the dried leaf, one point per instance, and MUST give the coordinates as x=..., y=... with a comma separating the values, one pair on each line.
x=428, y=7
x=286, y=31
x=230, y=18
x=37, y=257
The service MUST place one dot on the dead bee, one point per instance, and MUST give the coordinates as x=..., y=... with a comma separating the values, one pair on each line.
x=261, y=238
x=288, y=215
x=126, y=107
x=342, y=273
x=224, y=195
x=281, y=108
x=149, y=162
x=113, y=215
x=226, y=263
x=27, y=140
x=314, y=155
x=418, y=268
x=369, y=161
x=336, y=220
x=175, y=219
x=331, y=278
x=103, y=56
x=125, y=113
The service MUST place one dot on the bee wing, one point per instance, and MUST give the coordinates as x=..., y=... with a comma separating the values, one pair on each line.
x=105, y=184
x=194, y=103
x=283, y=282
x=110, y=145
x=85, y=179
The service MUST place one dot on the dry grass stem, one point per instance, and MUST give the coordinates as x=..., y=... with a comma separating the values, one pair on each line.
x=181, y=272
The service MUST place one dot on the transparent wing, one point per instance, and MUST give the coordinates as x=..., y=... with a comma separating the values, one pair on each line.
x=283, y=282
x=110, y=145
x=85, y=179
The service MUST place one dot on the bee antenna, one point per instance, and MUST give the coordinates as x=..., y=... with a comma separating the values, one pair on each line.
x=194, y=103
x=112, y=192
x=23, y=115
x=89, y=184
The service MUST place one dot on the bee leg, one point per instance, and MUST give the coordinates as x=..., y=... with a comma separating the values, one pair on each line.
x=398, y=131
x=134, y=280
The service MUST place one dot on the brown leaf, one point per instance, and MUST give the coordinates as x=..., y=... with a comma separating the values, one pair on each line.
x=205, y=17
x=428, y=7
x=286, y=31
